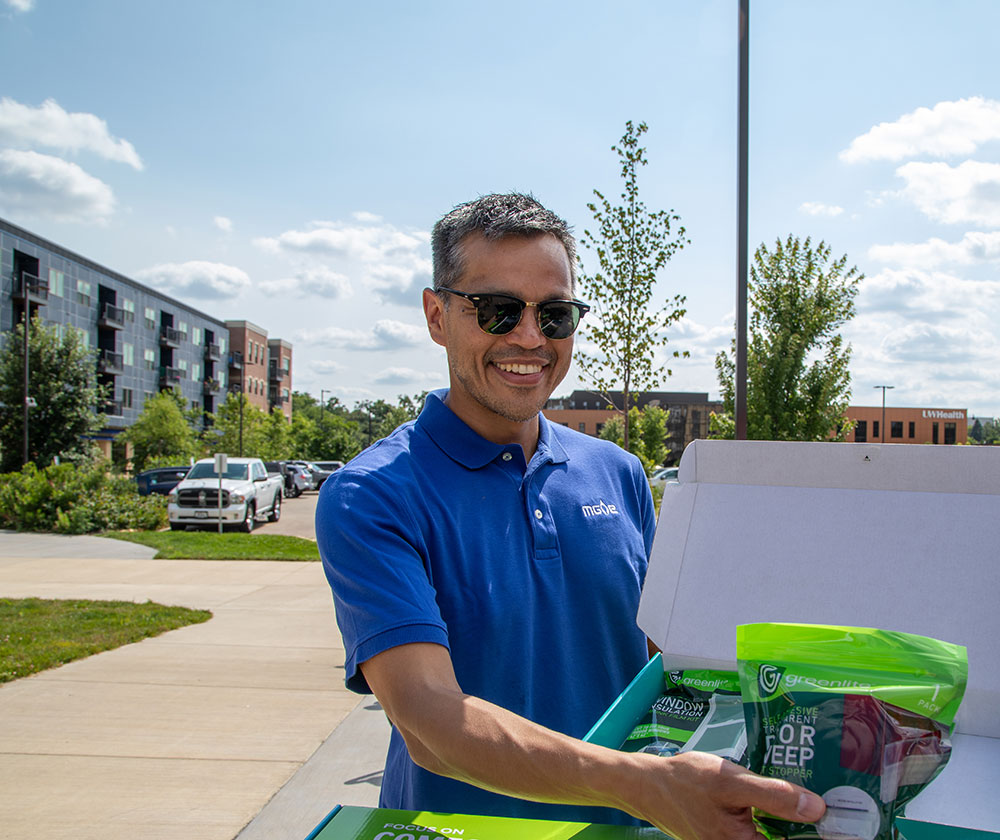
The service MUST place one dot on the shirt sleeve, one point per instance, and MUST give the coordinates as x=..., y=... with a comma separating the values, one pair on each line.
x=374, y=559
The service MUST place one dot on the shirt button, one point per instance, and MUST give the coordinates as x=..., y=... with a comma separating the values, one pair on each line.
x=538, y=514
x=507, y=456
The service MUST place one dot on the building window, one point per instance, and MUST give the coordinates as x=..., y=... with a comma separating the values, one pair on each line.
x=875, y=429
x=221, y=376
x=56, y=282
x=128, y=354
x=284, y=393
x=149, y=355
x=85, y=338
x=183, y=365
x=949, y=433
x=150, y=315
x=222, y=344
x=861, y=431
x=599, y=427
x=195, y=405
x=126, y=397
x=83, y=292
x=128, y=306
x=912, y=430
x=934, y=432
x=182, y=328
x=196, y=372
x=196, y=336
x=896, y=429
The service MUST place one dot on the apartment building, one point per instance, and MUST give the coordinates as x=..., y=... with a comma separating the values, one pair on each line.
x=279, y=375
x=144, y=340
x=908, y=425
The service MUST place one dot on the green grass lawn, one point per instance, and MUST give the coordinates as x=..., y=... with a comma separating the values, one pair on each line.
x=36, y=634
x=210, y=545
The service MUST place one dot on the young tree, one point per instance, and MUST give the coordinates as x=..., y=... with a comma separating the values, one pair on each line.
x=275, y=437
x=224, y=435
x=63, y=387
x=162, y=430
x=798, y=381
x=632, y=245
x=648, y=431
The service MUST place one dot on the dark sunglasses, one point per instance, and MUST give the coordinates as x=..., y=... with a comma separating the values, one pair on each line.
x=500, y=314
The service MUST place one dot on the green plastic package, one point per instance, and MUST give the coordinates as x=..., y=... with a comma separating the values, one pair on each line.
x=862, y=717
x=698, y=710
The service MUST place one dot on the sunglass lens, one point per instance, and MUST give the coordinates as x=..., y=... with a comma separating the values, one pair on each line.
x=558, y=319
x=498, y=315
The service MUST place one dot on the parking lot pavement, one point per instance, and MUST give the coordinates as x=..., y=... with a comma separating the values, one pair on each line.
x=239, y=724
x=296, y=517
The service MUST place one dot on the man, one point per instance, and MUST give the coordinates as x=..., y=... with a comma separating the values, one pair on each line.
x=492, y=617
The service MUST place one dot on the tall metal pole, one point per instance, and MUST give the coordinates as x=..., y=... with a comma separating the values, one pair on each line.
x=743, y=132
x=884, y=389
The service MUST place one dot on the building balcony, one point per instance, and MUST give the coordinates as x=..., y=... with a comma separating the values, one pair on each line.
x=276, y=374
x=171, y=376
x=112, y=408
x=30, y=288
x=111, y=316
x=279, y=399
x=169, y=337
x=110, y=362
x=236, y=360
x=213, y=352
x=211, y=386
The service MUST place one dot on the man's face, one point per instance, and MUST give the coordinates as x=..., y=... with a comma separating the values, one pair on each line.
x=502, y=381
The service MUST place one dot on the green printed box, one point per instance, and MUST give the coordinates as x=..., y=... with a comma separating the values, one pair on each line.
x=356, y=823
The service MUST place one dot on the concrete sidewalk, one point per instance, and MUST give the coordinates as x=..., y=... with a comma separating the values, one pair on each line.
x=238, y=726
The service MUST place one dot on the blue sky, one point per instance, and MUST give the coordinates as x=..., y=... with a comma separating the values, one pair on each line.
x=285, y=163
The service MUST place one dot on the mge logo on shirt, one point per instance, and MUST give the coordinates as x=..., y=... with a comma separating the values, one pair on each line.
x=600, y=509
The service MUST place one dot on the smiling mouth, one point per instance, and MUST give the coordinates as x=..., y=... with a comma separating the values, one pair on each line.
x=524, y=370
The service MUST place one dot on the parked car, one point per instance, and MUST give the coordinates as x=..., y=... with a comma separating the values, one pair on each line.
x=247, y=491
x=332, y=466
x=664, y=475
x=319, y=473
x=160, y=480
x=299, y=480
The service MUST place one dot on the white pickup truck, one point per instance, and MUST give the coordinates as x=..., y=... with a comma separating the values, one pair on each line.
x=248, y=492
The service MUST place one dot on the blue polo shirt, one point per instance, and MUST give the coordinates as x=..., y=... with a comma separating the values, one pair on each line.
x=529, y=574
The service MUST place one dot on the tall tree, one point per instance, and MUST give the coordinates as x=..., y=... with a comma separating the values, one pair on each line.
x=162, y=430
x=798, y=379
x=648, y=432
x=62, y=387
x=632, y=245
x=225, y=434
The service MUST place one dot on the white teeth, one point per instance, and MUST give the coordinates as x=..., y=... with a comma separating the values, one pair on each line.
x=522, y=369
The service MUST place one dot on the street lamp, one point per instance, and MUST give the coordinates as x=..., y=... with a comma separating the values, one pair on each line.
x=884, y=389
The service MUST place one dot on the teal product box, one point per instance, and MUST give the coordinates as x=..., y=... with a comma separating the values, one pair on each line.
x=903, y=537
x=356, y=823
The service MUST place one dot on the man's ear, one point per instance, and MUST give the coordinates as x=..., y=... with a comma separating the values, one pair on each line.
x=434, y=313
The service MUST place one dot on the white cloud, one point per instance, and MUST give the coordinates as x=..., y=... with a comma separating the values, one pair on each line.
x=815, y=208
x=400, y=284
x=21, y=5
x=409, y=377
x=974, y=247
x=968, y=193
x=41, y=185
x=365, y=216
x=50, y=125
x=325, y=239
x=197, y=279
x=932, y=296
x=938, y=345
x=318, y=280
x=223, y=223
x=949, y=128
x=324, y=366
x=384, y=335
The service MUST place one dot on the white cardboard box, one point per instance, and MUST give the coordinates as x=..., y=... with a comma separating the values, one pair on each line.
x=897, y=536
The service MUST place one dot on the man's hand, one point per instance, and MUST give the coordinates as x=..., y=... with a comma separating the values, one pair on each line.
x=699, y=796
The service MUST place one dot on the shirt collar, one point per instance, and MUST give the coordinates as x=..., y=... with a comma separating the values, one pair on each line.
x=471, y=450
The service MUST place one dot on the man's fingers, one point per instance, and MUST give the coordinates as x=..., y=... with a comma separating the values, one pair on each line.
x=786, y=801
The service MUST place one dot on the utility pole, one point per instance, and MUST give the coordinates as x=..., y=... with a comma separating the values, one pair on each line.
x=27, y=398
x=884, y=389
x=742, y=212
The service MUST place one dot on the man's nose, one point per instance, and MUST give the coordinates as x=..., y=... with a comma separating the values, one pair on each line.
x=527, y=333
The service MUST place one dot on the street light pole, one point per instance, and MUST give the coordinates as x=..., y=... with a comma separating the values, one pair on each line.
x=884, y=389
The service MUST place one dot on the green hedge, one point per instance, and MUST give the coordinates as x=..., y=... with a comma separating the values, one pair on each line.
x=76, y=499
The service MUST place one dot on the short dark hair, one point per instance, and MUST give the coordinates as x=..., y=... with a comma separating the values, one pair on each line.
x=494, y=216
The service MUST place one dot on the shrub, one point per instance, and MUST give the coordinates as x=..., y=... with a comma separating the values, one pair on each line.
x=71, y=499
